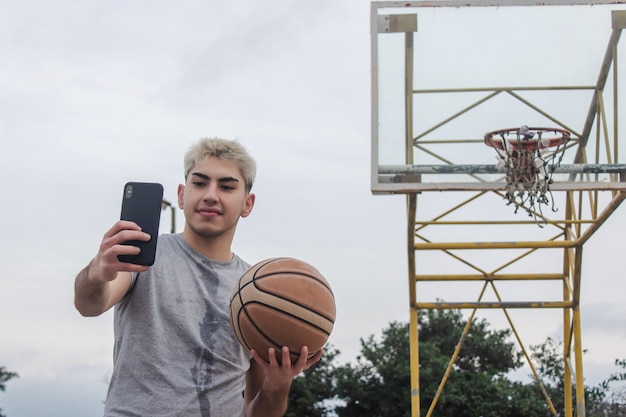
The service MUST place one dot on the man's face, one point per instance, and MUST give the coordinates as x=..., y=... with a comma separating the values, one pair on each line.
x=214, y=197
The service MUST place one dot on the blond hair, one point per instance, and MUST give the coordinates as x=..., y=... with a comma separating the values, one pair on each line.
x=223, y=149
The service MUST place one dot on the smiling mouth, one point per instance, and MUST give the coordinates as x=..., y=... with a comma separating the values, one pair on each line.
x=209, y=212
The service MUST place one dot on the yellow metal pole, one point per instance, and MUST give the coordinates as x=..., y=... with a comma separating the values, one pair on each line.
x=578, y=350
x=411, y=213
x=492, y=304
x=489, y=277
x=455, y=355
x=602, y=217
x=413, y=315
x=615, y=106
x=567, y=296
x=495, y=245
x=415, y=377
x=580, y=388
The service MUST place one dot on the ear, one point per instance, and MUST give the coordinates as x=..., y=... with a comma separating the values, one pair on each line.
x=181, y=192
x=248, y=205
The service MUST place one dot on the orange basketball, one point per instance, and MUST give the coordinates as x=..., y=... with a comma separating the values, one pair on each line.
x=282, y=302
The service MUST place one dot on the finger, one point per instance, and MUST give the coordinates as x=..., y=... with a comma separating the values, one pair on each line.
x=286, y=360
x=129, y=267
x=316, y=357
x=304, y=354
x=271, y=352
x=124, y=249
x=122, y=225
x=126, y=235
x=258, y=357
x=122, y=231
x=122, y=243
x=110, y=257
x=110, y=266
x=313, y=360
x=114, y=245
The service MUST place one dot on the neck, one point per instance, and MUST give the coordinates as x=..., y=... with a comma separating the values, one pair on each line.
x=216, y=248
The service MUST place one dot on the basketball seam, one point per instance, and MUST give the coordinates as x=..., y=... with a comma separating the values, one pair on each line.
x=309, y=309
x=253, y=282
x=260, y=265
x=300, y=319
x=304, y=274
x=261, y=332
x=238, y=332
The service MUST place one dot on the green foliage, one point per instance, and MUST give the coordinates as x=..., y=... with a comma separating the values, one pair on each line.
x=476, y=386
x=5, y=376
x=549, y=359
x=310, y=390
x=378, y=383
x=616, y=406
x=618, y=376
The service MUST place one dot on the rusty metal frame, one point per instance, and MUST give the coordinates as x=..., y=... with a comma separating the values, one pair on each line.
x=587, y=207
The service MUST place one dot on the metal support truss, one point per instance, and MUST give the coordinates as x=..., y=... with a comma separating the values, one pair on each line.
x=589, y=190
x=570, y=234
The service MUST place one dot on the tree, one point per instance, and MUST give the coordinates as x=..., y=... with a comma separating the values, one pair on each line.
x=477, y=386
x=378, y=384
x=549, y=356
x=311, y=391
x=616, y=406
x=5, y=376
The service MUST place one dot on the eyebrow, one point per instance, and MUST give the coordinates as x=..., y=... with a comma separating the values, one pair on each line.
x=207, y=178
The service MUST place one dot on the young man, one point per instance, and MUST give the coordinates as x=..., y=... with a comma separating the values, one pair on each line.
x=175, y=354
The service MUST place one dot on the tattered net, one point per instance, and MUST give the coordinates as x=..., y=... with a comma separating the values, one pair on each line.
x=529, y=157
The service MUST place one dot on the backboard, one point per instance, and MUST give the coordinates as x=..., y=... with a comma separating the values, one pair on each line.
x=445, y=73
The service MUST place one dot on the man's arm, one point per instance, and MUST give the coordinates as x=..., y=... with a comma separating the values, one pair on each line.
x=268, y=383
x=103, y=283
x=93, y=296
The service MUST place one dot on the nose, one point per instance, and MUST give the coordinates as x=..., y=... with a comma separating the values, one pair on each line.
x=210, y=195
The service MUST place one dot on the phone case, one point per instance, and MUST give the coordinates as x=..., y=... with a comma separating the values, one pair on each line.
x=142, y=203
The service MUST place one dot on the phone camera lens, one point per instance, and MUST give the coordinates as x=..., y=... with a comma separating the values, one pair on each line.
x=129, y=191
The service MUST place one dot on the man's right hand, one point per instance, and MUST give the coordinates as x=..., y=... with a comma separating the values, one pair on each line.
x=106, y=265
x=103, y=283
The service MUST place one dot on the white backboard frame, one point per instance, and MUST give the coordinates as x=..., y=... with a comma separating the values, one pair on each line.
x=405, y=172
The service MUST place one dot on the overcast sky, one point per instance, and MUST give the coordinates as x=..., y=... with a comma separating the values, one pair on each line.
x=97, y=93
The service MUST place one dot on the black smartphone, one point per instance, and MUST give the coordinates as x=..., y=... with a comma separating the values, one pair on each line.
x=142, y=203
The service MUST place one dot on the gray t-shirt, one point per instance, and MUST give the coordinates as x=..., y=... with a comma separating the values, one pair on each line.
x=175, y=353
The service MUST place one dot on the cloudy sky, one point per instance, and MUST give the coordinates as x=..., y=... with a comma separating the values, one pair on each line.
x=95, y=94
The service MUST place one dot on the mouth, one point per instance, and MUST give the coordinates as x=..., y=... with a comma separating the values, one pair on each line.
x=209, y=211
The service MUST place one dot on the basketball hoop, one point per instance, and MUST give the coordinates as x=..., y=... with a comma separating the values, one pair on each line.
x=529, y=156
